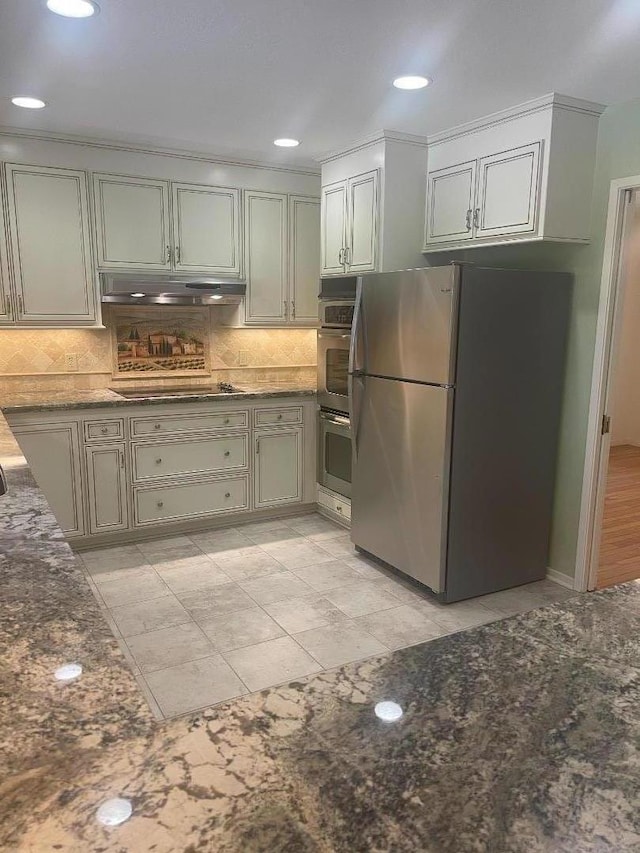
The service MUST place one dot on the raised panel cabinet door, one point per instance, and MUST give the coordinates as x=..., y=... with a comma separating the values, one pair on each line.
x=107, y=490
x=206, y=228
x=450, y=197
x=333, y=228
x=48, y=219
x=362, y=218
x=265, y=241
x=278, y=467
x=508, y=192
x=53, y=454
x=132, y=223
x=6, y=305
x=304, y=259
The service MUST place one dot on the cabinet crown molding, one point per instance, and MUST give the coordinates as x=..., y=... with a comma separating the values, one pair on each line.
x=151, y=148
x=553, y=99
x=373, y=139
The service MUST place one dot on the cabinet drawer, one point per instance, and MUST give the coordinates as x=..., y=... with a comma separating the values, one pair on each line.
x=101, y=430
x=277, y=417
x=190, y=500
x=211, y=455
x=338, y=505
x=166, y=424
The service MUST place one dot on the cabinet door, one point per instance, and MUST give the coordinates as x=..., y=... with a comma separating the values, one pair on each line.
x=107, y=488
x=132, y=223
x=362, y=219
x=508, y=192
x=51, y=246
x=206, y=229
x=265, y=241
x=450, y=196
x=6, y=315
x=304, y=259
x=53, y=453
x=278, y=467
x=333, y=228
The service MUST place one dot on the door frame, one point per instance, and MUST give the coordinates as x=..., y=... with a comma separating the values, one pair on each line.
x=607, y=338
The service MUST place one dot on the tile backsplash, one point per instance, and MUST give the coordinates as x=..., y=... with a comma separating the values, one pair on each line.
x=82, y=358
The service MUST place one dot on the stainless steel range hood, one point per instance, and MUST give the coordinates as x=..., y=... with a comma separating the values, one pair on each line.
x=169, y=289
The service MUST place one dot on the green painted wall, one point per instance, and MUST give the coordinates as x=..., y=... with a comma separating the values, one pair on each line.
x=618, y=156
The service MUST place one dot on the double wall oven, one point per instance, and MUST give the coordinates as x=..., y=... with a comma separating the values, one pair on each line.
x=337, y=299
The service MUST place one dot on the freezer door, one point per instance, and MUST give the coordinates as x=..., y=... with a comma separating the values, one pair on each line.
x=406, y=324
x=400, y=435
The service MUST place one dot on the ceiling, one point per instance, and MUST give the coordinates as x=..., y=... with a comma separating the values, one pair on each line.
x=231, y=75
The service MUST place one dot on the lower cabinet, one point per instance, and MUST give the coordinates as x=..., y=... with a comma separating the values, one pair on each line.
x=183, y=501
x=278, y=467
x=107, y=488
x=53, y=453
x=101, y=479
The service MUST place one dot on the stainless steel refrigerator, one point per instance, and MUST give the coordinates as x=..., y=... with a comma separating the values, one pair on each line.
x=456, y=376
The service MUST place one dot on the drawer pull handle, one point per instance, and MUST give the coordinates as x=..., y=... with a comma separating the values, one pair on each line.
x=226, y=420
x=279, y=417
x=157, y=426
x=226, y=453
x=227, y=494
x=104, y=430
x=160, y=504
x=159, y=460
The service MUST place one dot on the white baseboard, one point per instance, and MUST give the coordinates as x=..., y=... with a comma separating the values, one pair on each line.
x=560, y=578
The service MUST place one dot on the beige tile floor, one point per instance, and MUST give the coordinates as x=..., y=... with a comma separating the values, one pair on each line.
x=207, y=617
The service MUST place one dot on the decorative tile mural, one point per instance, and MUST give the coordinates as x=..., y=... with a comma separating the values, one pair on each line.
x=158, y=343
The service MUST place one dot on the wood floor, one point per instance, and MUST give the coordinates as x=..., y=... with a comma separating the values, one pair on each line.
x=620, y=545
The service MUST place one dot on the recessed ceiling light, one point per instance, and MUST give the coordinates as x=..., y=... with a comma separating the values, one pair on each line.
x=286, y=143
x=137, y=295
x=411, y=81
x=73, y=8
x=28, y=103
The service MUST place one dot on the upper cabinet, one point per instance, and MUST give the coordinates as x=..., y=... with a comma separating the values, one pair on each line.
x=265, y=253
x=350, y=224
x=304, y=258
x=132, y=223
x=521, y=175
x=281, y=258
x=50, y=244
x=6, y=297
x=206, y=229
x=372, y=216
x=138, y=227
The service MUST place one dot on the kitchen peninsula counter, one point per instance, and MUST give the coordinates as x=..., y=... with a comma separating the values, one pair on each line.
x=542, y=708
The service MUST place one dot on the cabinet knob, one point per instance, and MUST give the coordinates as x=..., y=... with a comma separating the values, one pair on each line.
x=226, y=453
x=279, y=417
x=339, y=508
x=227, y=494
x=104, y=430
x=157, y=426
x=160, y=504
x=159, y=460
x=226, y=420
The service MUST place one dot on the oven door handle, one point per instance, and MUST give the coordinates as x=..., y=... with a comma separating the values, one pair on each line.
x=335, y=419
x=333, y=333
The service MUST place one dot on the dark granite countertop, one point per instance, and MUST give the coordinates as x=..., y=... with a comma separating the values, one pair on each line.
x=522, y=736
x=39, y=401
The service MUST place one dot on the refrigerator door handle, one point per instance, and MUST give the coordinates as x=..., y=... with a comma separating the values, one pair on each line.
x=356, y=333
x=356, y=392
